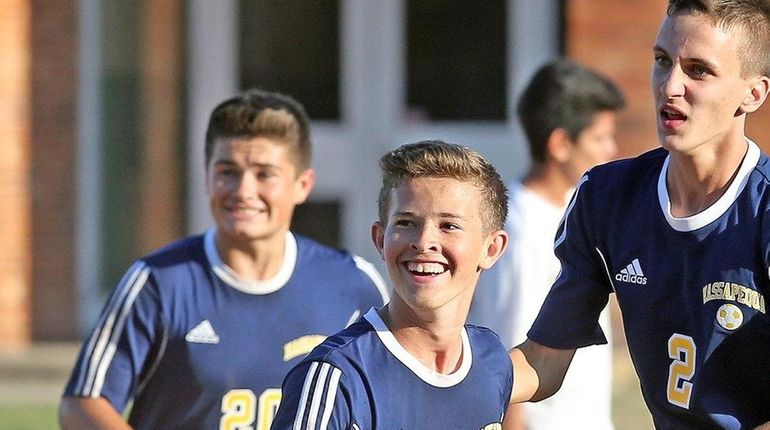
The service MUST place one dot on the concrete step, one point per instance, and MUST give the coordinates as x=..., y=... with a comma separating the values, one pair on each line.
x=37, y=374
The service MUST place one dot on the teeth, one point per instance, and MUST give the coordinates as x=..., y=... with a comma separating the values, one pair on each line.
x=432, y=268
x=672, y=113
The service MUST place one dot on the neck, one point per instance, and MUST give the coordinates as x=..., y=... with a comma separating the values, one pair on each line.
x=696, y=181
x=548, y=182
x=435, y=343
x=254, y=260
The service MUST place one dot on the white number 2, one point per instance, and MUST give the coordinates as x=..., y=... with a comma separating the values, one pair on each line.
x=239, y=409
x=681, y=349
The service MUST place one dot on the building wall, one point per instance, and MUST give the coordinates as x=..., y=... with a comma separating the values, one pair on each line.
x=14, y=173
x=53, y=155
x=38, y=138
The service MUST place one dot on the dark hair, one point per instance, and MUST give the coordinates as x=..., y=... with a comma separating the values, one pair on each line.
x=439, y=159
x=751, y=16
x=257, y=113
x=563, y=95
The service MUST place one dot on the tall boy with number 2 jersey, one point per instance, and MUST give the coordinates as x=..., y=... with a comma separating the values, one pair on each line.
x=680, y=234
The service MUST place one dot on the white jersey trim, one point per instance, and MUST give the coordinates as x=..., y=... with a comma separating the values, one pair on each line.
x=365, y=266
x=103, y=342
x=429, y=376
x=713, y=212
x=313, y=390
x=265, y=286
x=571, y=205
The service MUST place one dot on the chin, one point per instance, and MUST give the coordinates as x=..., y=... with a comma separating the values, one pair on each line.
x=244, y=232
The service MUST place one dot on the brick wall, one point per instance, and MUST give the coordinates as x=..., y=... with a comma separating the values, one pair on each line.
x=616, y=38
x=54, y=122
x=14, y=173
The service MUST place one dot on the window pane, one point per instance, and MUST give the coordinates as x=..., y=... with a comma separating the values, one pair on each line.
x=291, y=46
x=319, y=220
x=456, y=60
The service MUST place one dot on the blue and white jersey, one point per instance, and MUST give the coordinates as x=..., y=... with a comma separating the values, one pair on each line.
x=692, y=290
x=195, y=347
x=363, y=379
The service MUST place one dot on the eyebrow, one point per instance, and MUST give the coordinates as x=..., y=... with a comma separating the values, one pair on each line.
x=439, y=215
x=229, y=162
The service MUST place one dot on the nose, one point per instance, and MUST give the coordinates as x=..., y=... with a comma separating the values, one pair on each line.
x=425, y=240
x=671, y=82
x=246, y=186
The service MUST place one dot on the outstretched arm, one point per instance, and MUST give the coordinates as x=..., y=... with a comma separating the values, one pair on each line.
x=538, y=370
x=85, y=413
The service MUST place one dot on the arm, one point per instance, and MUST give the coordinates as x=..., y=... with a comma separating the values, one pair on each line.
x=514, y=418
x=538, y=370
x=112, y=357
x=84, y=413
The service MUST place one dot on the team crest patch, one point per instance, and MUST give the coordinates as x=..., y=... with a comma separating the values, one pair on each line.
x=729, y=316
x=301, y=346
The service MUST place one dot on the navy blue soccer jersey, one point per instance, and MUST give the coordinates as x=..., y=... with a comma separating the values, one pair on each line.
x=362, y=378
x=195, y=347
x=691, y=290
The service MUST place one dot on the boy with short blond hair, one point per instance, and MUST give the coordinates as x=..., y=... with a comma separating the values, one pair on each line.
x=415, y=363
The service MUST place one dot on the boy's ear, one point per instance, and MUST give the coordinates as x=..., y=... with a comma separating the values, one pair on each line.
x=303, y=186
x=559, y=145
x=496, y=245
x=378, y=238
x=756, y=96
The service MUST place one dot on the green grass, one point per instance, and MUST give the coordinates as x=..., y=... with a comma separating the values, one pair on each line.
x=28, y=417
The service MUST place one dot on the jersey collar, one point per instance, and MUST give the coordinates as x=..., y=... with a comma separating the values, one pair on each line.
x=713, y=212
x=265, y=286
x=430, y=376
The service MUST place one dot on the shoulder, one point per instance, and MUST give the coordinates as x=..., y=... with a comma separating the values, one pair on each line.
x=179, y=252
x=487, y=349
x=623, y=178
x=630, y=168
x=337, y=266
x=763, y=168
x=485, y=337
x=308, y=250
x=486, y=343
x=339, y=348
x=177, y=264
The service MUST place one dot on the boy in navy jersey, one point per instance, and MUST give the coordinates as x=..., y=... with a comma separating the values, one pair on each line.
x=199, y=334
x=414, y=364
x=680, y=234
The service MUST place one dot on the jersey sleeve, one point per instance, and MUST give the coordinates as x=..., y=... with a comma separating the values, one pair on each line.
x=113, y=357
x=314, y=398
x=569, y=317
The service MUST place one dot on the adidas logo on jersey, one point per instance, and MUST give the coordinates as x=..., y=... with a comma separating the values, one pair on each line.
x=632, y=274
x=202, y=333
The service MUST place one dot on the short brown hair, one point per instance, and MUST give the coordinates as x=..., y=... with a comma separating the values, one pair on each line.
x=439, y=159
x=751, y=16
x=257, y=113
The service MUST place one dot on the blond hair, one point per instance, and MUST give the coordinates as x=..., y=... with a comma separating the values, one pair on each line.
x=439, y=159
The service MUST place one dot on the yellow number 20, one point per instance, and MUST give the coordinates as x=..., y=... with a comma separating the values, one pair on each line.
x=681, y=349
x=239, y=409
